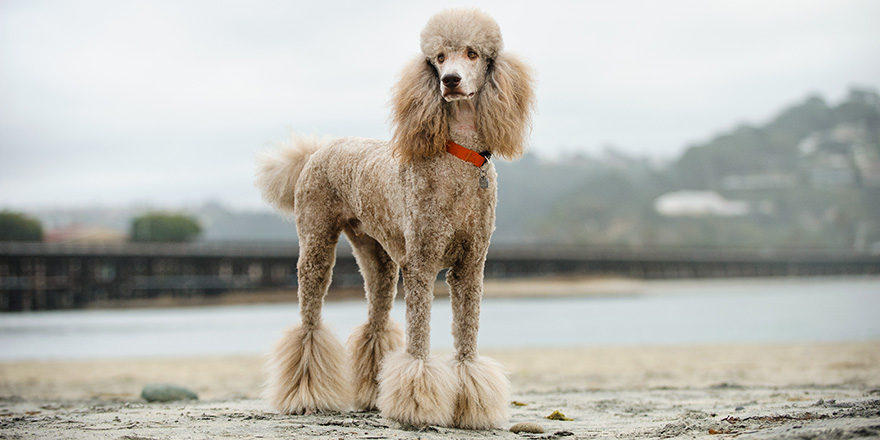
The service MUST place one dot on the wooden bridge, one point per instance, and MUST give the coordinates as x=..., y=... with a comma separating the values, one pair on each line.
x=39, y=276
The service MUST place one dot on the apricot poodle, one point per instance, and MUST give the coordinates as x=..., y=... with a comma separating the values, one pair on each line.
x=421, y=203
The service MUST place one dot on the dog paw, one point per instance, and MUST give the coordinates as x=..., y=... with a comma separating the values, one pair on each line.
x=484, y=394
x=309, y=372
x=368, y=349
x=416, y=392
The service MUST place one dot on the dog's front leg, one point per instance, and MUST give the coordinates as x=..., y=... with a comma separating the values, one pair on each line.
x=416, y=389
x=484, y=393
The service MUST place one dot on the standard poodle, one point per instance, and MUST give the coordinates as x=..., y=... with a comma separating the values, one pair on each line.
x=421, y=203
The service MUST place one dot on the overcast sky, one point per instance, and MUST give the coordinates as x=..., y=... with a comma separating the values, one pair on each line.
x=105, y=103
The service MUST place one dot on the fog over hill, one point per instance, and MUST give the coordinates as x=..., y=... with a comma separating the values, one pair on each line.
x=809, y=177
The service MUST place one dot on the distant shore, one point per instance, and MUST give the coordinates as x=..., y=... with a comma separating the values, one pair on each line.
x=553, y=286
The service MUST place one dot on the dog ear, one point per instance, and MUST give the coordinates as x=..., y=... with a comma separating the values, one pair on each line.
x=504, y=106
x=419, y=118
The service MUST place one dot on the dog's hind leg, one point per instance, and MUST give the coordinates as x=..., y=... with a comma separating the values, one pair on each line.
x=416, y=389
x=484, y=393
x=380, y=335
x=308, y=368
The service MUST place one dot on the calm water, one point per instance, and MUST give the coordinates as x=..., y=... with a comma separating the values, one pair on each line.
x=666, y=313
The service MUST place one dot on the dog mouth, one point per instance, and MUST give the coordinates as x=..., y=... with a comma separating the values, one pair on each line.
x=457, y=96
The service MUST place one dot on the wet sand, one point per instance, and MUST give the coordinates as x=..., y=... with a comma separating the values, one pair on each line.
x=721, y=391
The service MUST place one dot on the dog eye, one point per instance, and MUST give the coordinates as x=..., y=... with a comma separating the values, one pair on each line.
x=472, y=55
x=441, y=58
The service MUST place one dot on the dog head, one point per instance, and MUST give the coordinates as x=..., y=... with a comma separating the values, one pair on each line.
x=461, y=45
x=461, y=59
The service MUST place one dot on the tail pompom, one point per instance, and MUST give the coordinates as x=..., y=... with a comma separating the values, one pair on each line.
x=278, y=170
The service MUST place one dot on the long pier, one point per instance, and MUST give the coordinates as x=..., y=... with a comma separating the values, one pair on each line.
x=41, y=276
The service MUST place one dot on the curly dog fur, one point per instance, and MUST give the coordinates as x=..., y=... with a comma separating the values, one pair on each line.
x=406, y=206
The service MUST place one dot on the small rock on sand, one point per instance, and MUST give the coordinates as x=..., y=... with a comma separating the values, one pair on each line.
x=160, y=392
x=528, y=427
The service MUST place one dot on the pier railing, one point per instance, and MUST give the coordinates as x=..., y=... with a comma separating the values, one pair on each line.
x=35, y=276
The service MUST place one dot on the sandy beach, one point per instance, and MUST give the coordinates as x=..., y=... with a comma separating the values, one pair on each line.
x=798, y=391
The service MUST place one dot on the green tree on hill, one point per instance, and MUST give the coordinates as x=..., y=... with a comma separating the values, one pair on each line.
x=19, y=227
x=164, y=227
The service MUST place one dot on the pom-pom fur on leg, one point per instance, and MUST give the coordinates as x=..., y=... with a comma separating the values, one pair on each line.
x=416, y=392
x=367, y=349
x=483, y=395
x=309, y=372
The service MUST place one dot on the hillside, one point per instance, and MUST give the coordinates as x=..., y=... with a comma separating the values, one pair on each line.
x=809, y=178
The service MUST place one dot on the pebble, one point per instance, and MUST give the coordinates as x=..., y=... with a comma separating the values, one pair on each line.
x=529, y=427
x=160, y=392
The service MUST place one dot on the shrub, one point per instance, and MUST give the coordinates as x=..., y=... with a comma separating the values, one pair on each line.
x=19, y=227
x=164, y=227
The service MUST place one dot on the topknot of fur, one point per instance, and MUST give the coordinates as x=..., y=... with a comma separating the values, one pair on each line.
x=459, y=29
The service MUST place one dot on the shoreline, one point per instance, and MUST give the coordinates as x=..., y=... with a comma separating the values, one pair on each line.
x=538, y=287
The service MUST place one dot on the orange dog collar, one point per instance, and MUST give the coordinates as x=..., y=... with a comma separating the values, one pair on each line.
x=478, y=160
x=466, y=155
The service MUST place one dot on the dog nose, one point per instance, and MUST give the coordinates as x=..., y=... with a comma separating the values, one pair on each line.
x=451, y=81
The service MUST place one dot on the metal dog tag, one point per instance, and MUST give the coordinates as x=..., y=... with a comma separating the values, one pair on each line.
x=484, y=182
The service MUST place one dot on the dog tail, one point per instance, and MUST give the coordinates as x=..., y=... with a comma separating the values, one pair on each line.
x=278, y=170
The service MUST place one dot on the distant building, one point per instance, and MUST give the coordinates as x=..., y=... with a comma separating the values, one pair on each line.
x=759, y=181
x=85, y=234
x=841, y=156
x=699, y=204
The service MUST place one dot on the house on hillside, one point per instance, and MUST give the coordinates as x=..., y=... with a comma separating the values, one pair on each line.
x=841, y=156
x=699, y=204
